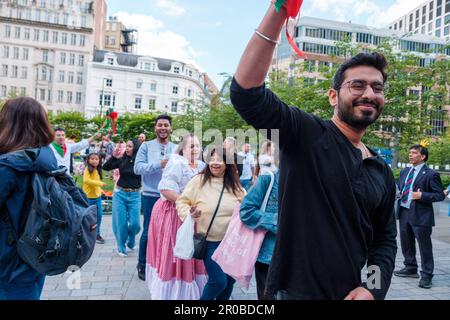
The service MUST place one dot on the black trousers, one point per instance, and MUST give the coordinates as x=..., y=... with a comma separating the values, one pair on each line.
x=408, y=235
x=261, y=270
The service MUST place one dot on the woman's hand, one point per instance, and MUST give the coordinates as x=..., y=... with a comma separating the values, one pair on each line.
x=195, y=213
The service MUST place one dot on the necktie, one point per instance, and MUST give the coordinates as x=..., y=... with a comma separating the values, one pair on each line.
x=408, y=186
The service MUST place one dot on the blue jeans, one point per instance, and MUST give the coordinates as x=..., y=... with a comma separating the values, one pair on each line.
x=246, y=183
x=147, y=207
x=98, y=203
x=219, y=285
x=126, y=208
x=22, y=291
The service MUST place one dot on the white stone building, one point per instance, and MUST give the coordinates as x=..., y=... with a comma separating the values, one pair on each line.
x=45, y=47
x=137, y=84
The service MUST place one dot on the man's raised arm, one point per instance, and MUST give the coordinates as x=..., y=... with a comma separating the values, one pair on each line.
x=257, y=57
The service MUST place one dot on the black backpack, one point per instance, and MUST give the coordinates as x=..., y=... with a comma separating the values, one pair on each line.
x=61, y=229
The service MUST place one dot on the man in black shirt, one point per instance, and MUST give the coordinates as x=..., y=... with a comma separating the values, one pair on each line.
x=336, y=194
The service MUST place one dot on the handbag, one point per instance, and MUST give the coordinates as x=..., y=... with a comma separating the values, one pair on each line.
x=184, y=244
x=200, y=239
x=239, y=249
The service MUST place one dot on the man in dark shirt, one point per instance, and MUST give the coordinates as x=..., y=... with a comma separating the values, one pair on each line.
x=336, y=194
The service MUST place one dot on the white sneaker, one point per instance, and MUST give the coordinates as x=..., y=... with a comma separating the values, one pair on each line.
x=121, y=254
x=130, y=249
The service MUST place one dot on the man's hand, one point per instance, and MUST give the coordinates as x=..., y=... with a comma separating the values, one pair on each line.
x=417, y=195
x=359, y=293
x=94, y=137
x=446, y=192
x=164, y=163
x=195, y=213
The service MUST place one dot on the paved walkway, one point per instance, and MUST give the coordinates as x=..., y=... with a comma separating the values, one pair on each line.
x=109, y=277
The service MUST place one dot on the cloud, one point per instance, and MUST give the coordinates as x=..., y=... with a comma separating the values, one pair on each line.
x=395, y=11
x=154, y=40
x=170, y=7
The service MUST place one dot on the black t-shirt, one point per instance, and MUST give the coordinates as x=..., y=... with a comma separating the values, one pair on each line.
x=128, y=179
x=335, y=209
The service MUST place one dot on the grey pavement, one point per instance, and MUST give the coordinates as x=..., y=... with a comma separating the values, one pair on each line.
x=109, y=277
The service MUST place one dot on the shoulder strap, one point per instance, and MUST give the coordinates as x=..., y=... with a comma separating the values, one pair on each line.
x=269, y=190
x=217, y=209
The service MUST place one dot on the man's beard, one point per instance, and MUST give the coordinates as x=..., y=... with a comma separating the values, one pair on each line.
x=348, y=116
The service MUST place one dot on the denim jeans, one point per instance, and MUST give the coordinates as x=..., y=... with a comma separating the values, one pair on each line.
x=147, y=207
x=98, y=203
x=126, y=208
x=219, y=285
x=22, y=291
x=246, y=183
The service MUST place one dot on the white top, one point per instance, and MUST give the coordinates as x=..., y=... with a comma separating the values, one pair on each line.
x=247, y=165
x=178, y=173
x=266, y=163
x=70, y=148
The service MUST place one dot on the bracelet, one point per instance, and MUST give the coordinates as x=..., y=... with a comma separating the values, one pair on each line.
x=264, y=37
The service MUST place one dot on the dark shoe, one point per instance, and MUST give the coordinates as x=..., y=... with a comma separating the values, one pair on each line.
x=406, y=273
x=100, y=240
x=141, y=272
x=425, y=283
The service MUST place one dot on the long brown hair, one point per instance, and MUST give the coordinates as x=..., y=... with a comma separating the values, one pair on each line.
x=24, y=124
x=231, y=177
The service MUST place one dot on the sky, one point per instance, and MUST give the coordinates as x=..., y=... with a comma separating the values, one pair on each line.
x=212, y=34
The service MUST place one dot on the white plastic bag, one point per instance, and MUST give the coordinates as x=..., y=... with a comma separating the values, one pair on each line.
x=184, y=244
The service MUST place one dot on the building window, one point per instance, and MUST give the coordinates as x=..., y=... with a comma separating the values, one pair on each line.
x=438, y=23
x=108, y=100
x=83, y=22
x=64, y=38
x=13, y=89
x=45, y=55
x=4, y=70
x=137, y=102
x=5, y=52
x=17, y=32
x=152, y=104
x=7, y=31
x=24, y=73
x=55, y=36
x=62, y=58
x=79, y=77
x=175, y=90
x=36, y=34
x=23, y=91
x=60, y=96
x=81, y=60
x=82, y=41
x=109, y=82
x=44, y=73
x=190, y=73
x=26, y=34
x=112, y=41
x=73, y=40
x=3, y=91
x=25, y=54
x=69, y=96
x=110, y=61
x=15, y=53
x=62, y=75
x=72, y=59
x=42, y=94
x=14, y=71
x=176, y=69
x=153, y=87
x=174, y=107
x=78, y=98
x=45, y=36
x=189, y=92
x=139, y=84
x=49, y=95
x=70, y=77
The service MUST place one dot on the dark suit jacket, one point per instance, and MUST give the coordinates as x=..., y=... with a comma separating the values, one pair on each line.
x=421, y=211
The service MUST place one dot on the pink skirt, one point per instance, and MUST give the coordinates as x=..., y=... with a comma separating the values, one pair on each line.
x=168, y=277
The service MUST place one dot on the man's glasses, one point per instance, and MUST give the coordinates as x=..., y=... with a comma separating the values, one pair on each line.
x=358, y=87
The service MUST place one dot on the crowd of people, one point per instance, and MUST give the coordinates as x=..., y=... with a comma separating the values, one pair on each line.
x=329, y=209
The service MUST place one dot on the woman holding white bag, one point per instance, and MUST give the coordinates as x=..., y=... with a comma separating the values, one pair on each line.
x=210, y=199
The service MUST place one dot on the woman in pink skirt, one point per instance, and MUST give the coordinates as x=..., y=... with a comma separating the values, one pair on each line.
x=168, y=277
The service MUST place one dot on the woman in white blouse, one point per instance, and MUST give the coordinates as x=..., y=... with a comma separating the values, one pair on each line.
x=168, y=277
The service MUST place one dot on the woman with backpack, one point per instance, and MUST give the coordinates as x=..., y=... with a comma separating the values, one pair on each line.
x=25, y=134
x=126, y=205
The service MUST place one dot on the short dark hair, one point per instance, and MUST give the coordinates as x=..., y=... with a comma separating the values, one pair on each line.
x=60, y=129
x=423, y=151
x=24, y=124
x=163, y=117
x=373, y=59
